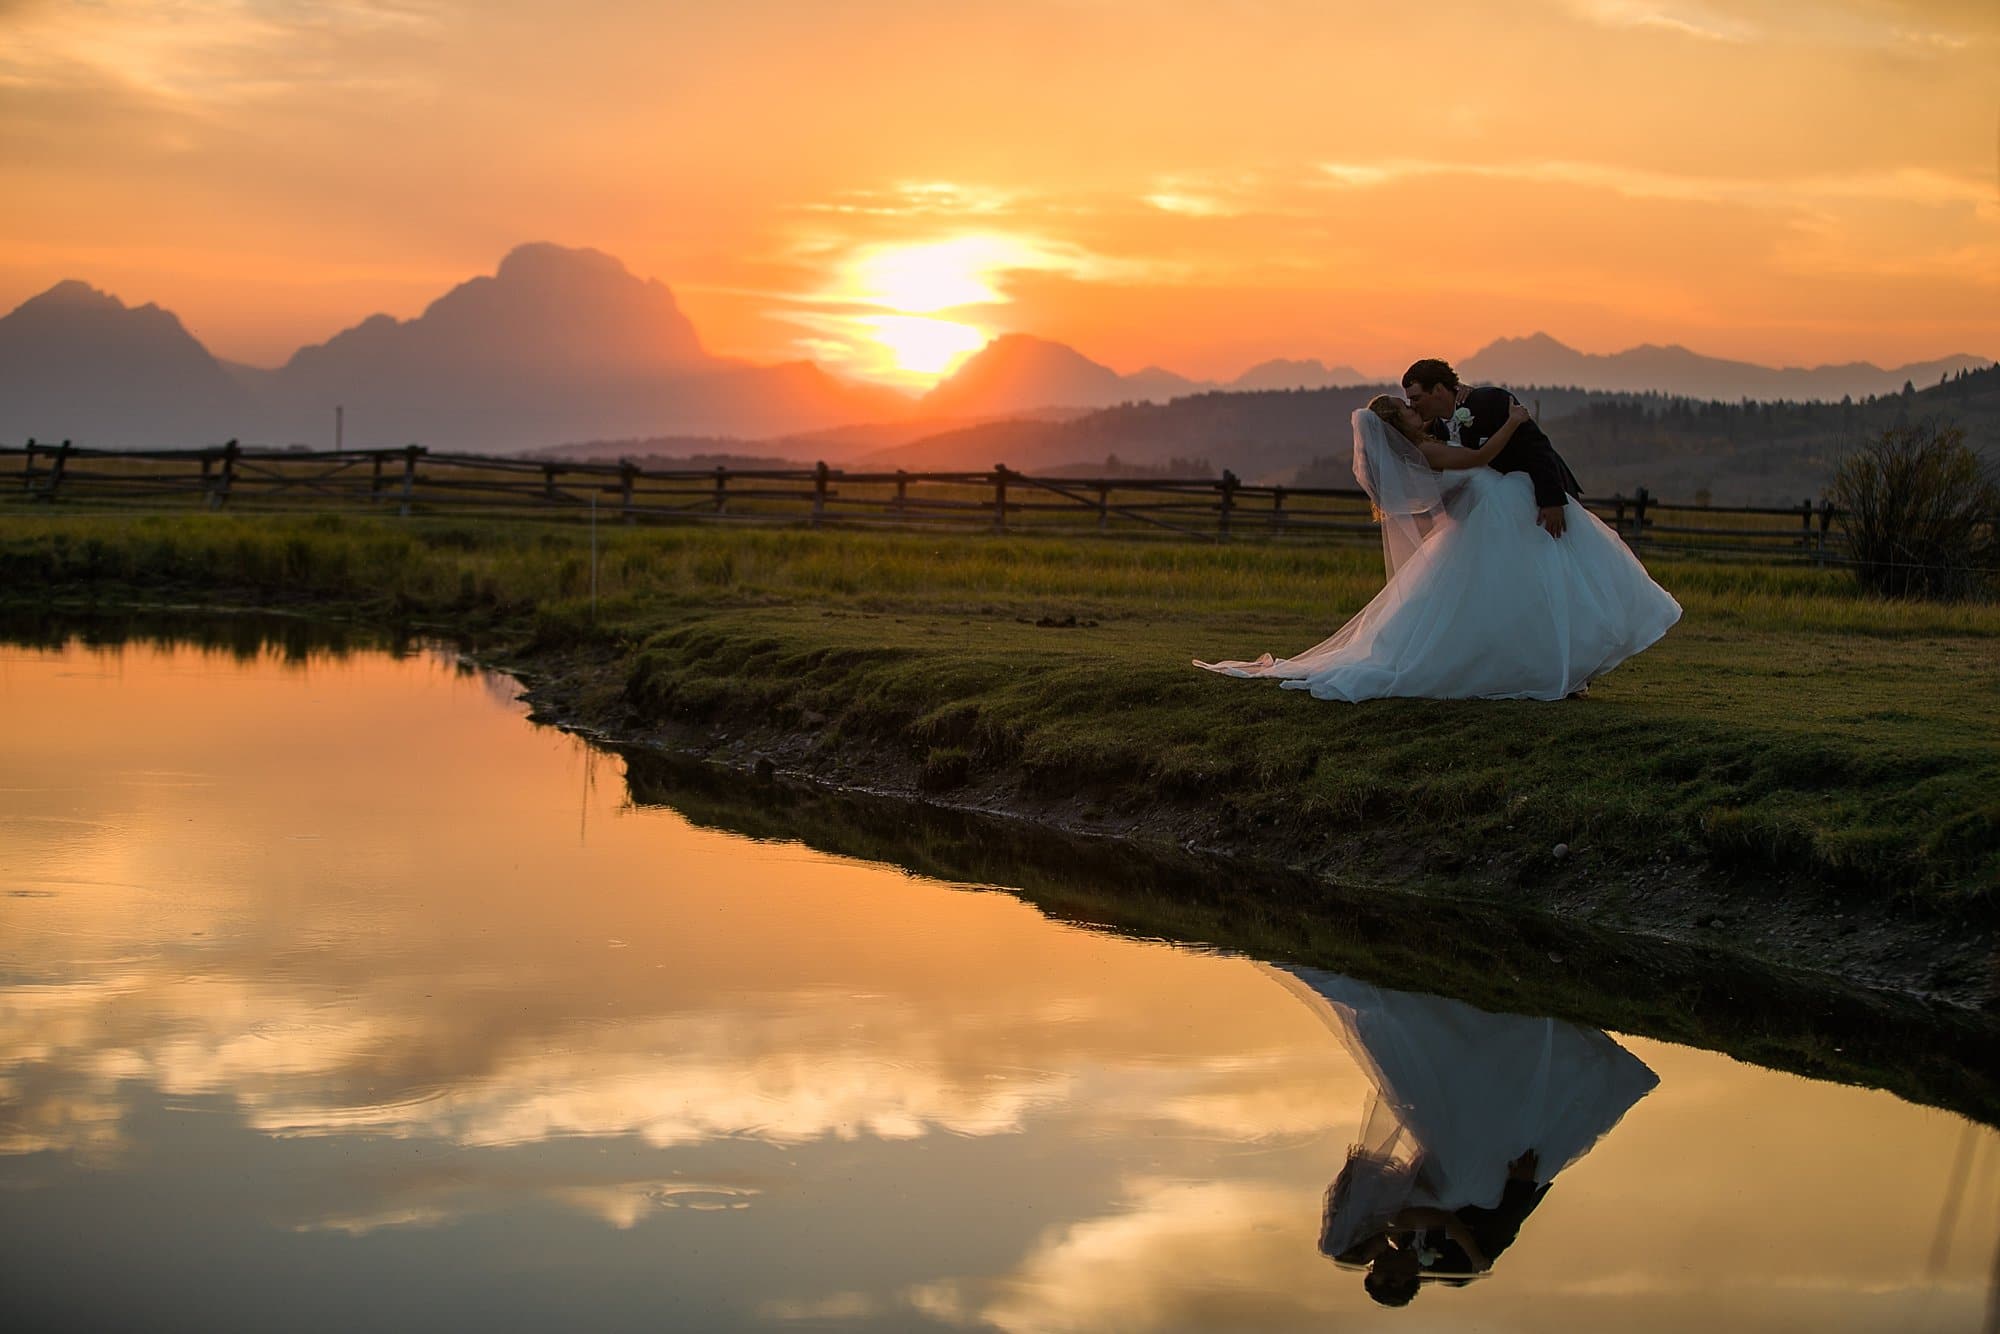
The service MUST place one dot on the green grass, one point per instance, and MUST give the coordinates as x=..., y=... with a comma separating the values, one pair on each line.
x=1791, y=726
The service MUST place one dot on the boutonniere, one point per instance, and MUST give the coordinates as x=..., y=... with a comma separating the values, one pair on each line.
x=1462, y=418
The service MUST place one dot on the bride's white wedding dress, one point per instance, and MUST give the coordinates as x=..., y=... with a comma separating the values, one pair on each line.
x=1458, y=1096
x=1481, y=603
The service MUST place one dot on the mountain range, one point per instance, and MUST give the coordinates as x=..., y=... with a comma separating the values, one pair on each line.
x=1018, y=373
x=1675, y=371
x=563, y=344
x=555, y=344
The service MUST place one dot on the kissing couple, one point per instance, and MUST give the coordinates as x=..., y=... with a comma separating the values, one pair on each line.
x=1501, y=585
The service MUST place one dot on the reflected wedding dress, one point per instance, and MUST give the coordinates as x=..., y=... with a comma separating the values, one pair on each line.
x=1459, y=1094
x=1480, y=603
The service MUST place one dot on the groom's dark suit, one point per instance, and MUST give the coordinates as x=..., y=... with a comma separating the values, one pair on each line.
x=1529, y=451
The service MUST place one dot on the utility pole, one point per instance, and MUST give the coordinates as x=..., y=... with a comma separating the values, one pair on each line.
x=338, y=411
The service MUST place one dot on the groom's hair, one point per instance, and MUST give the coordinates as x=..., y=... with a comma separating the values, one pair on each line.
x=1429, y=373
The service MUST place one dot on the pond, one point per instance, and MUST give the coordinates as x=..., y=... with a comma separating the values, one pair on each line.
x=336, y=994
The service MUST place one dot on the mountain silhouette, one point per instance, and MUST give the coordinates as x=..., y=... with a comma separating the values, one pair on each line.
x=567, y=344
x=1541, y=360
x=79, y=364
x=1283, y=373
x=1255, y=433
x=556, y=344
x=549, y=313
x=1018, y=373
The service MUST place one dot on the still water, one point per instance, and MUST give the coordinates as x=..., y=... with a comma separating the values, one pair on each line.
x=336, y=995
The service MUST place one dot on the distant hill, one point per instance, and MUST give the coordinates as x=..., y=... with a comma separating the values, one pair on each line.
x=669, y=453
x=1266, y=432
x=1540, y=360
x=1016, y=373
x=79, y=364
x=556, y=344
x=1739, y=453
x=1019, y=373
x=1290, y=374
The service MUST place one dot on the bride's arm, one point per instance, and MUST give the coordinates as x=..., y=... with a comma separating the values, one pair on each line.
x=1446, y=457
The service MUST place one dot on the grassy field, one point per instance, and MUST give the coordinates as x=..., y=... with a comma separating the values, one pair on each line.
x=1790, y=728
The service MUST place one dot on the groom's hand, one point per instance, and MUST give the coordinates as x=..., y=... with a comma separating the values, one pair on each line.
x=1550, y=517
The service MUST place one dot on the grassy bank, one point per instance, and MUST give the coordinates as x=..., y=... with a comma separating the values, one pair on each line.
x=1790, y=735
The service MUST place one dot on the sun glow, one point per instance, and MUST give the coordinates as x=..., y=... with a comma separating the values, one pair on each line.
x=907, y=312
x=922, y=279
x=922, y=345
x=913, y=282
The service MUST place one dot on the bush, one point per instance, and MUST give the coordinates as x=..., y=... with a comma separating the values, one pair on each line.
x=1918, y=510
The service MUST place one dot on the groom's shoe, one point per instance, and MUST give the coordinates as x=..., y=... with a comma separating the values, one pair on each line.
x=1581, y=692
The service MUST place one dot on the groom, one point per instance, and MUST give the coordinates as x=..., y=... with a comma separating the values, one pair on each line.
x=1470, y=416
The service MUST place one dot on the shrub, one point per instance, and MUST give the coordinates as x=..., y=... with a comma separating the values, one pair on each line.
x=1918, y=511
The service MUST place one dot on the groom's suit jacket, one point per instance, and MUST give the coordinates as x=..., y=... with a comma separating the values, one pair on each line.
x=1529, y=451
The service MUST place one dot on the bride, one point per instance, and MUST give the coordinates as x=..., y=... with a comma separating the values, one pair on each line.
x=1480, y=602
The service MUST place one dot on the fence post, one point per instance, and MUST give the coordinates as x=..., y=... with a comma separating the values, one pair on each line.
x=999, y=497
x=548, y=481
x=1229, y=485
x=902, y=489
x=28, y=473
x=218, y=494
x=721, y=489
x=56, y=473
x=1277, y=508
x=1639, y=500
x=1103, y=506
x=375, y=480
x=820, y=471
x=1825, y=522
x=1618, y=514
x=410, y=453
x=628, y=475
x=1805, y=520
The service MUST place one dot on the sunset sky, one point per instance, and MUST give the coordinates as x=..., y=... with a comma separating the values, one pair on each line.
x=883, y=186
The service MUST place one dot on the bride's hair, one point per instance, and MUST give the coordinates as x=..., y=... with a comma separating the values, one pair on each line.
x=1390, y=409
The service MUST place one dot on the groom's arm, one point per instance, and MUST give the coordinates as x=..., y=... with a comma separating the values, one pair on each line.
x=1529, y=452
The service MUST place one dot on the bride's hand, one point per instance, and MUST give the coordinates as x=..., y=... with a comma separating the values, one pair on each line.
x=1519, y=413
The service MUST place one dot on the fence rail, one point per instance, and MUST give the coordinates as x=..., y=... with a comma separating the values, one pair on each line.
x=417, y=480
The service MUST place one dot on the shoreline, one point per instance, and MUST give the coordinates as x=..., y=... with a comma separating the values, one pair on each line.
x=1896, y=947
x=1510, y=957
x=1930, y=957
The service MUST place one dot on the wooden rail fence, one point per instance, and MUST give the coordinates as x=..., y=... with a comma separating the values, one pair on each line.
x=417, y=480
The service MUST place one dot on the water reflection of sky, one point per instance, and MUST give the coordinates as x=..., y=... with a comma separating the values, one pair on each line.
x=335, y=993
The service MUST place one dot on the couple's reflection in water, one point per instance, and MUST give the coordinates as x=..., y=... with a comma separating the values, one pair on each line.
x=1471, y=1117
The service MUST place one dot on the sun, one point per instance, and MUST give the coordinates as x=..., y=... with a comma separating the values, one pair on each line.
x=921, y=279
x=913, y=283
x=922, y=345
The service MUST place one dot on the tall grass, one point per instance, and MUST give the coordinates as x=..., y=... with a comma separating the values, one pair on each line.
x=450, y=564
